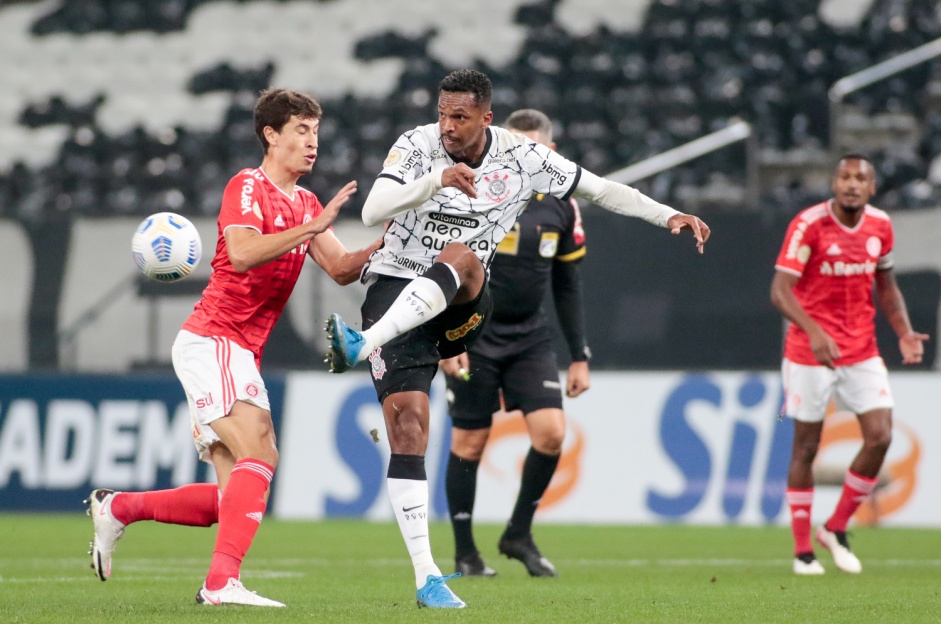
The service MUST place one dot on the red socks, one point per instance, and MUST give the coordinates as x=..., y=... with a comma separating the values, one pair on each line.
x=190, y=505
x=856, y=488
x=240, y=512
x=799, y=501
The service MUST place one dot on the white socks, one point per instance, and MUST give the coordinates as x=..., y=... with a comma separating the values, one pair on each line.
x=409, y=499
x=421, y=300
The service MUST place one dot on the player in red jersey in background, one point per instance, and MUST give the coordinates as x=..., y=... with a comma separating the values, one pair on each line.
x=267, y=227
x=823, y=283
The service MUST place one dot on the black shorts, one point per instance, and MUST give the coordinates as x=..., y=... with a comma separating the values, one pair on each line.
x=409, y=362
x=529, y=381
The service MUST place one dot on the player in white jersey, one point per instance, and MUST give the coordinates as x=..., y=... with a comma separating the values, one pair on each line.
x=452, y=190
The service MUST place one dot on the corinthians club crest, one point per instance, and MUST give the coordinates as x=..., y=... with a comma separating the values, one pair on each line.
x=497, y=188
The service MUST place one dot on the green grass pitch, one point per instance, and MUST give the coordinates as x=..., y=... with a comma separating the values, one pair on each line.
x=356, y=571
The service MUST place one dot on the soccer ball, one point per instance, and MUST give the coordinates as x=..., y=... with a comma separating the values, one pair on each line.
x=166, y=247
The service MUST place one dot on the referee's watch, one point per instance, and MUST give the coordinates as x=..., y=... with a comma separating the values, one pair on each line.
x=583, y=355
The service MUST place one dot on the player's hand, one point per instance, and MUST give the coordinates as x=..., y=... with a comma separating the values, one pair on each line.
x=332, y=209
x=577, y=379
x=457, y=366
x=912, y=348
x=461, y=177
x=681, y=221
x=824, y=348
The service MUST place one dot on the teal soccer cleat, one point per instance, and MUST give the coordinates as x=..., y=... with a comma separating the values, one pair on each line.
x=345, y=345
x=436, y=595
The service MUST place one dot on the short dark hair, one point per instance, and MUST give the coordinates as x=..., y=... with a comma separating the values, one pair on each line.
x=856, y=156
x=468, y=81
x=529, y=120
x=275, y=107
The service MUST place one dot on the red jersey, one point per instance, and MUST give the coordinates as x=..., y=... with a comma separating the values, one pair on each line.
x=837, y=267
x=245, y=306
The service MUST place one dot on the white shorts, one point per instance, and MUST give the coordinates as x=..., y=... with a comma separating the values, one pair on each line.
x=215, y=373
x=858, y=388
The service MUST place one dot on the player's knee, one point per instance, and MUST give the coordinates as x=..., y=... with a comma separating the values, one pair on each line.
x=462, y=259
x=550, y=443
x=469, y=444
x=805, y=451
x=879, y=441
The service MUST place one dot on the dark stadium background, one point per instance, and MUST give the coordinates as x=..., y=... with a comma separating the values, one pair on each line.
x=693, y=67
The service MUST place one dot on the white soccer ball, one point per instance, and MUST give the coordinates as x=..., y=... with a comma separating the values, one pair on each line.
x=166, y=247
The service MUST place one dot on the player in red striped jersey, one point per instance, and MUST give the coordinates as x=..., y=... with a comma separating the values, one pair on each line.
x=267, y=227
x=832, y=254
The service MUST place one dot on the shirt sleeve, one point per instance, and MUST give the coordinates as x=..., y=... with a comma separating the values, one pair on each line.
x=567, y=297
x=242, y=203
x=622, y=199
x=572, y=243
x=887, y=257
x=550, y=172
x=796, y=250
x=409, y=159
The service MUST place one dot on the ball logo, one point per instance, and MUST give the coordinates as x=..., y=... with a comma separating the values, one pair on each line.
x=873, y=246
x=251, y=390
x=803, y=254
x=393, y=157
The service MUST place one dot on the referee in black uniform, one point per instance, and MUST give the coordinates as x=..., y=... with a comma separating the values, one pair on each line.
x=514, y=358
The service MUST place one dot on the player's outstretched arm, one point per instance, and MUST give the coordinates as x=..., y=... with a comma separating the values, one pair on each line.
x=248, y=248
x=325, y=219
x=893, y=306
x=340, y=264
x=391, y=197
x=628, y=201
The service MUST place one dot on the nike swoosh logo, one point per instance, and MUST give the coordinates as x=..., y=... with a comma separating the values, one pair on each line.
x=408, y=509
x=414, y=294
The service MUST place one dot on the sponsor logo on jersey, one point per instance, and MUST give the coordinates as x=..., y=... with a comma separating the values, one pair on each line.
x=549, y=244
x=414, y=159
x=848, y=269
x=497, y=188
x=377, y=365
x=279, y=221
x=873, y=246
x=454, y=220
x=554, y=173
x=794, y=244
x=410, y=265
x=463, y=330
x=248, y=187
x=204, y=402
x=834, y=250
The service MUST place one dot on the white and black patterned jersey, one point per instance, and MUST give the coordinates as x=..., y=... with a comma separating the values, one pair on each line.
x=512, y=170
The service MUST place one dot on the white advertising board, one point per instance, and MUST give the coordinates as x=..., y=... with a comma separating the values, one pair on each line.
x=696, y=448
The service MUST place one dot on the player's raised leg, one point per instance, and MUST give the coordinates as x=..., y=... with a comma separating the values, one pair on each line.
x=456, y=276
x=190, y=505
